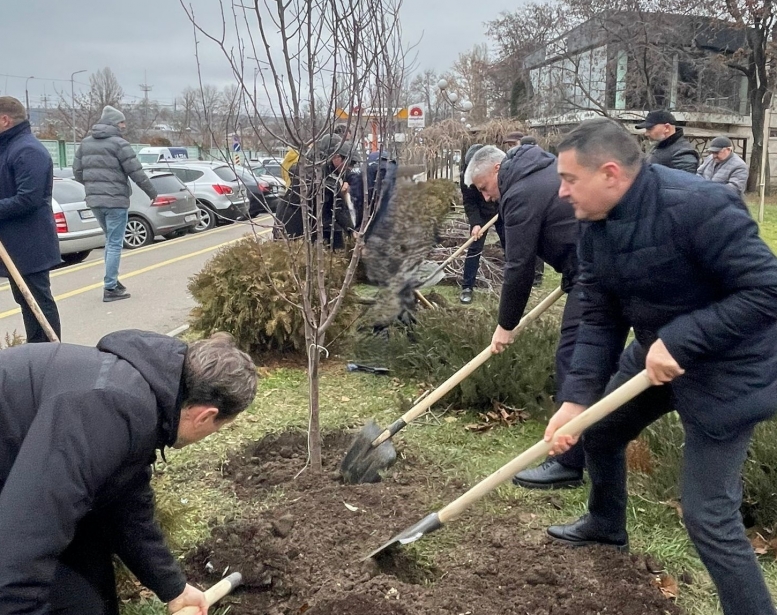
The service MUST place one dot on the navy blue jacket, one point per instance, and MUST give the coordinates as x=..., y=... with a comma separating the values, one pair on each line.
x=680, y=259
x=537, y=223
x=78, y=428
x=27, y=227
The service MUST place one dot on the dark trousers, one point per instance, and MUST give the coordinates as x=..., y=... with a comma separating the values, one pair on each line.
x=472, y=262
x=40, y=286
x=570, y=321
x=84, y=583
x=711, y=492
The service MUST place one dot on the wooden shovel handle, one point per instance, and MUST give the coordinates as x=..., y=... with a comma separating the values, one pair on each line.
x=17, y=277
x=464, y=372
x=215, y=593
x=626, y=392
x=461, y=249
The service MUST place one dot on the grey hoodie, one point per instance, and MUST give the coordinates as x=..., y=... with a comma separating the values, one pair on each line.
x=103, y=163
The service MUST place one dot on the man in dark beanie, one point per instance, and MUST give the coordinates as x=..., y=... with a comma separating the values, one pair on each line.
x=103, y=163
x=27, y=228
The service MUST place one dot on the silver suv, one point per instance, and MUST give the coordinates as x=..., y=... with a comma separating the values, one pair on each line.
x=221, y=197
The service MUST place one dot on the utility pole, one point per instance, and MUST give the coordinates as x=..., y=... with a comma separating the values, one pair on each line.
x=73, y=102
x=27, y=96
x=145, y=89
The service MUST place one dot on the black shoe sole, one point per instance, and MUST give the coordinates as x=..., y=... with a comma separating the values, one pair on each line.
x=589, y=543
x=566, y=484
x=119, y=298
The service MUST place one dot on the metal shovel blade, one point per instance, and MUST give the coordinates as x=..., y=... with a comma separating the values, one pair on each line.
x=427, y=525
x=363, y=463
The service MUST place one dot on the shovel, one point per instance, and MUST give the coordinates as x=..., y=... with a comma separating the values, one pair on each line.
x=370, y=453
x=626, y=392
x=461, y=249
x=17, y=277
x=215, y=593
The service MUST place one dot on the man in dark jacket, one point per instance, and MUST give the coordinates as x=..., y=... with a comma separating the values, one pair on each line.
x=672, y=149
x=478, y=212
x=680, y=261
x=80, y=427
x=27, y=228
x=323, y=175
x=537, y=222
x=104, y=163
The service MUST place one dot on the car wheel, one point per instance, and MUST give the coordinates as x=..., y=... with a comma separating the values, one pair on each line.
x=138, y=233
x=76, y=257
x=207, y=219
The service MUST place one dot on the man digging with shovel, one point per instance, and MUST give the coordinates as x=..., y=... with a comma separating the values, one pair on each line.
x=79, y=428
x=537, y=222
x=678, y=259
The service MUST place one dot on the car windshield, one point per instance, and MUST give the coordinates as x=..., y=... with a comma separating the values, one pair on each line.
x=68, y=192
x=148, y=158
x=272, y=170
x=167, y=184
x=225, y=173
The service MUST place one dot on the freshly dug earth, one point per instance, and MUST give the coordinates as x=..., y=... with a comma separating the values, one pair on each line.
x=300, y=542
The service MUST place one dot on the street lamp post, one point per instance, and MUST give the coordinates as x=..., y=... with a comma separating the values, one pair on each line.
x=73, y=102
x=27, y=96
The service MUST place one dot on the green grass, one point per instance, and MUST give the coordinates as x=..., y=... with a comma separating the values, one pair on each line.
x=349, y=399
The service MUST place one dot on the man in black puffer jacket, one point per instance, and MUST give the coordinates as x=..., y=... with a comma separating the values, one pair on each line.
x=672, y=149
x=79, y=428
x=537, y=222
x=680, y=260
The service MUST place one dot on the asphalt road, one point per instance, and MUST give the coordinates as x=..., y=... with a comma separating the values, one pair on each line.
x=156, y=276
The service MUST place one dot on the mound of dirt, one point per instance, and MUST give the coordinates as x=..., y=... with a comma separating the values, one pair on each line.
x=300, y=542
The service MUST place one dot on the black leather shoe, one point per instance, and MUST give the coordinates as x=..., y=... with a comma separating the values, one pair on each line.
x=581, y=533
x=120, y=286
x=115, y=294
x=549, y=475
x=466, y=295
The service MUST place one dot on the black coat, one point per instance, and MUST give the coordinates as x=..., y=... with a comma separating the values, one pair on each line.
x=676, y=152
x=537, y=223
x=476, y=208
x=680, y=259
x=78, y=431
x=27, y=227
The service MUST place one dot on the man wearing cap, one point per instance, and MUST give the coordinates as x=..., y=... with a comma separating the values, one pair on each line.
x=512, y=139
x=104, y=164
x=723, y=166
x=672, y=149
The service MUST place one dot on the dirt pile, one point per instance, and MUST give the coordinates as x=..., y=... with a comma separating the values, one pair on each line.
x=299, y=547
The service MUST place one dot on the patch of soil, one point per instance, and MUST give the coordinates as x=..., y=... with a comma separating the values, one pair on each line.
x=300, y=544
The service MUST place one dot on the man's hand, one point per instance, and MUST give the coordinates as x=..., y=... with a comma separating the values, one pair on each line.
x=661, y=366
x=344, y=188
x=563, y=415
x=501, y=339
x=475, y=232
x=191, y=596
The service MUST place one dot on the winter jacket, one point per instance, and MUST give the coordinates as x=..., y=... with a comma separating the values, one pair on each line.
x=79, y=427
x=27, y=228
x=537, y=222
x=103, y=163
x=334, y=208
x=732, y=172
x=476, y=208
x=680, y=259
x=381, y=181
x=675, y=152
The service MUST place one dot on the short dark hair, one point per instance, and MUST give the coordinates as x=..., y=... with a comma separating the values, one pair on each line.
x=217, y=373
x=13, y=108
x=602, y=140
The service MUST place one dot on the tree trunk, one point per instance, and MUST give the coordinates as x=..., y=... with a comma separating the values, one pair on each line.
x=757, y=113
x=314, y=381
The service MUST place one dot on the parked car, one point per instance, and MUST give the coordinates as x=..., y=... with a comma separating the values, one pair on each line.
x=77, y=228
x=261, y=172
x=268, y=168
x=173, y=213
x=66, y=173
x=220, y=196
x=262, y=194
x=152, y=155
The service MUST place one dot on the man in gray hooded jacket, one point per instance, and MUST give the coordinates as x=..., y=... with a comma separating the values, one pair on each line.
x=104, y=163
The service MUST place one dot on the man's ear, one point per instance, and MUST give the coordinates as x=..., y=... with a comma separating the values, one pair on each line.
x=201, y=414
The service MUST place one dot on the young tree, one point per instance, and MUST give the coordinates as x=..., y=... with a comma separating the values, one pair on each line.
x=308, y=57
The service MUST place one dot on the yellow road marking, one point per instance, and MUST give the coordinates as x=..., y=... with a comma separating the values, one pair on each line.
x=132, y=274
x=129, y=253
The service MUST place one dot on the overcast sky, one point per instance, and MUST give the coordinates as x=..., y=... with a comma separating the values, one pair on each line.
x=50, y=39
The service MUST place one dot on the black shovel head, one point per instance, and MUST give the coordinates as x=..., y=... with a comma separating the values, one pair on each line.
x=427, y=525
x=363, y=463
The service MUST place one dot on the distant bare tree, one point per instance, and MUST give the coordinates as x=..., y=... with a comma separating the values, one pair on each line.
x=105, y=89
x=471, y=71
